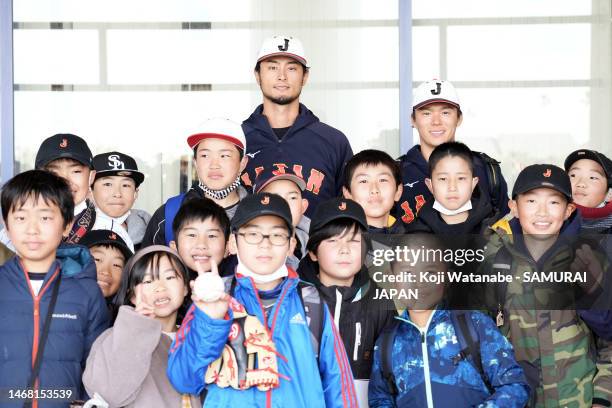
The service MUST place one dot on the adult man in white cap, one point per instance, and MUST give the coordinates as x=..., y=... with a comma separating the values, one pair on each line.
x=283, y=134
x=218, y=148
x=436, y=114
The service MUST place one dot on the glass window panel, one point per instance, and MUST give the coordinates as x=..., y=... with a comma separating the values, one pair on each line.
x=522, y=126
x=425, y=53
x=179, y=56
x=198, y=10
x=132, y=10
x=498, y=8
x=521, y=52
x=56, y=56
x=369, y=117
x=150, y=126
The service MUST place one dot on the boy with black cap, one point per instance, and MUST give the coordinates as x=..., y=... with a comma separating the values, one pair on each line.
x=290, y=186
x=265, y=295
x=110, y=253
x=114, y=189
x=335, y=265
x=68, y=156
x=555, y=347
x=218, y=148
x=436, y=114
x=590, y=173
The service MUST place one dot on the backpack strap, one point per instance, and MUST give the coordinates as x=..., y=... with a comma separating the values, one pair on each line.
x=494, y=176
x=170, y=209
x=315, y=313
x=387, y=337
x=469, y=341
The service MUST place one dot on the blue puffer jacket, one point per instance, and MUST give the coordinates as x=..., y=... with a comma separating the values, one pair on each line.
x=200, y=341
x=427, y=376
x=80, y=315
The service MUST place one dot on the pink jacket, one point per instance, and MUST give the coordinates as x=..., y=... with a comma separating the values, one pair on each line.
x=127, y=364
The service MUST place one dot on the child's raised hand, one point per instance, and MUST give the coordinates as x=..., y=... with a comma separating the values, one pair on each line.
x=208, y=292
x=141, y=306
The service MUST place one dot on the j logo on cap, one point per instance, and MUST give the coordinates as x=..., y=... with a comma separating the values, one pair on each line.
x=547, y=173
x=115, y=163
x=113, y=236
x=437, y=90
x=284, y=47
x=64, y=143
x=342, y=206
x=265, y=200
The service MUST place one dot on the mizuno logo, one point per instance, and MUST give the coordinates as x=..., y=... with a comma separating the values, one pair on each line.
x=297, y=319
x=411, y=184
x=252, y=155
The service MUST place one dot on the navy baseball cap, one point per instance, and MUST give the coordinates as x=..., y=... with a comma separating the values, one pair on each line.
x=597, y=157
x=542, y=175
x=117, y=164
x=268, y=176
x=63, y=146
x=259, y=204
x=337, y=208
x=106, y=237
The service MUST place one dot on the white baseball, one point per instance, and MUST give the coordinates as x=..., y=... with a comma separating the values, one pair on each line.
x=209, y=287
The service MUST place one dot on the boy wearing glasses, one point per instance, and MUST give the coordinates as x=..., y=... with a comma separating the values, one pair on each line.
x=261, y=318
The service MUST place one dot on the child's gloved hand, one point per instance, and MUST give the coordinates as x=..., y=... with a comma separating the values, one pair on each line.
x=211, y=300
x=141, y=306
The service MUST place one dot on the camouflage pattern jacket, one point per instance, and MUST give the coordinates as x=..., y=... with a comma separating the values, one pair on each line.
x=574, y=366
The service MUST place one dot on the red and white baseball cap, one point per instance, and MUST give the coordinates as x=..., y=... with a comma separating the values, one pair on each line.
x=283, y=45
x=218, y=128
x=434, y=91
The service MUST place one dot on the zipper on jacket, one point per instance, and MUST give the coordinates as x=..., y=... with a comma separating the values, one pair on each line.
x=357, y=340
x=426, y=374
x=337, y=309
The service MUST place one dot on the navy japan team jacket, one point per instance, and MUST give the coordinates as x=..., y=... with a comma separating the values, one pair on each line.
x=310, y=148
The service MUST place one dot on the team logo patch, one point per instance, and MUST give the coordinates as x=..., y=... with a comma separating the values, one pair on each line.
x=64, y=143
x=124, y=173
x=114, y=161
x=342, y=206
x=234, y=331
x=547, y=173
x=112, y=236
x=265, y=200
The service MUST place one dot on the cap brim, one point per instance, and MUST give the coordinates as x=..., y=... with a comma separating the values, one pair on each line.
x=285, y=176
x=195, y=139
x=127, y=253
x=67, y=155
x=299, y=59
x=261, y=213
x=541, y=184
x=336, y=217
x=435, y=100
x=135, y=175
